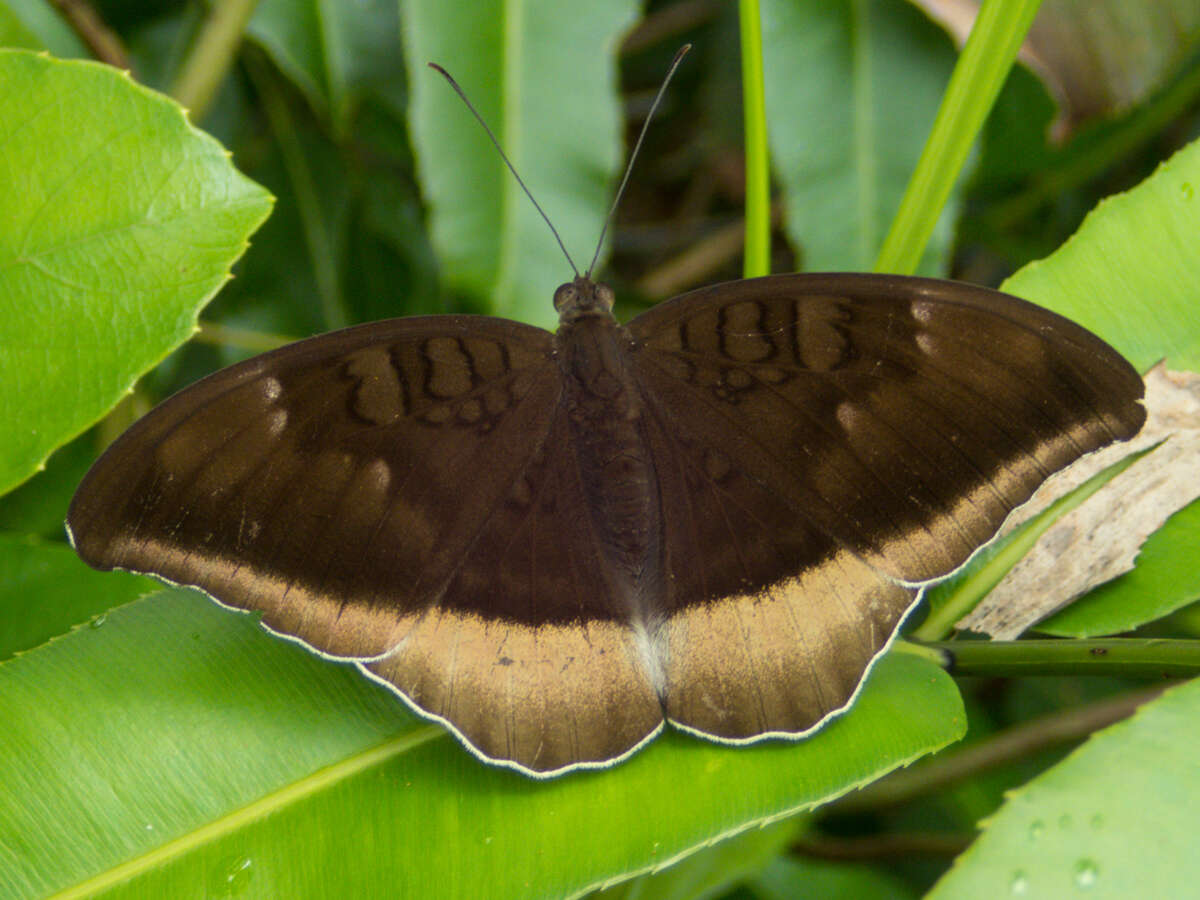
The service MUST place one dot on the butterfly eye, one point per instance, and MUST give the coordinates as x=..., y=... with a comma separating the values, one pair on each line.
x=564, y=296
x=605, y=296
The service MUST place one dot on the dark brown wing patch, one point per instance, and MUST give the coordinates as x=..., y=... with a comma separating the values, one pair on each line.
x=325, y=484
x=903, y=418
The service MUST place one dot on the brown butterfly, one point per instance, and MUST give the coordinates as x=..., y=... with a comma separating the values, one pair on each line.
x=716, y=515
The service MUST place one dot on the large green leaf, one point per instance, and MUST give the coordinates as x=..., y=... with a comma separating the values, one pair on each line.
x=1131, y=272
x=119, y=222
x=177, y=745
x=1114, y=819
x=852, y=90
x=541, y=74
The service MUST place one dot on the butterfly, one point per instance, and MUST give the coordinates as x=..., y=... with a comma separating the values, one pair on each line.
x=717, y=515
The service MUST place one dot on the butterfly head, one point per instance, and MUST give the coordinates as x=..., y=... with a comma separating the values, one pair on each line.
x=583, y=297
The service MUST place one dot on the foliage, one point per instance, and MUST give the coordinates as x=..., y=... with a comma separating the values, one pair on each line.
x=158, y=746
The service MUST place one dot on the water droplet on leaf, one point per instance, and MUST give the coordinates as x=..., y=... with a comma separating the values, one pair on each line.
x=1086, y=872
x=232, y=877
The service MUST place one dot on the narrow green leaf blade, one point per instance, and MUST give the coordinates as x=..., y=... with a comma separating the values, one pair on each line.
x=120, y=221
x=332, y=50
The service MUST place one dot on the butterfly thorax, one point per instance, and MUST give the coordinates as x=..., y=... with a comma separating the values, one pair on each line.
x=604, y=411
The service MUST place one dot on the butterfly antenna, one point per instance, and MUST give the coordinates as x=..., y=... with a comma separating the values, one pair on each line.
x=500, y=150
x=679, y=55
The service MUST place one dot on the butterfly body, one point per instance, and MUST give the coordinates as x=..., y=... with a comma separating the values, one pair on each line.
x=604, y=409
x=716, y=515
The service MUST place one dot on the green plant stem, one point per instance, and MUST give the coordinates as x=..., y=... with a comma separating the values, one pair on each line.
x=1001, y=749
x=316, y=233
x=1128, y=657
x=982, y=67
x=211, y=56
x=757, y=241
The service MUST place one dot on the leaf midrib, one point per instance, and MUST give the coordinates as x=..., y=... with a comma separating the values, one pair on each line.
x=264, y=806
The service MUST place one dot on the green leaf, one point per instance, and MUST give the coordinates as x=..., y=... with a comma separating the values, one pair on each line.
x=1131, y=273
x=177, y=745
x=39, y=506
x=332, y=50
x=540, y=76
x=1116, y=818
x=120, y=221
x=852, y=90
x=45, y=589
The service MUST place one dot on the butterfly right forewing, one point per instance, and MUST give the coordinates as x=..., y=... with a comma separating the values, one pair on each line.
x=904, y=418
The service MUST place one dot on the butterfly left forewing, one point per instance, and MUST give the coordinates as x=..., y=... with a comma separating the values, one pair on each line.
x=401, y=492
x=325, y=484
